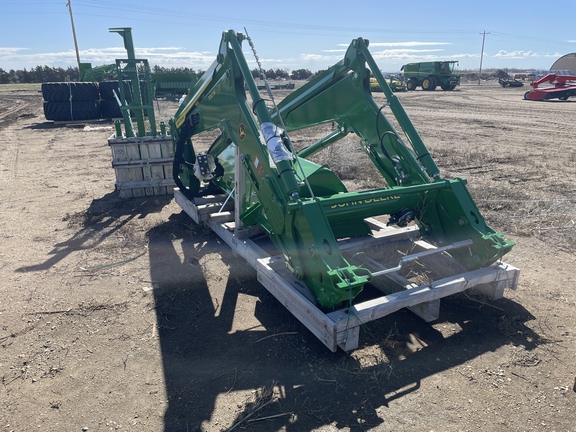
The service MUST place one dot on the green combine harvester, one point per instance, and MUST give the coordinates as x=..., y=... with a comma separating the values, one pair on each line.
x=430, y=75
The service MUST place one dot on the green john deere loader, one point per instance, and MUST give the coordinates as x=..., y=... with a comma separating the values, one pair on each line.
x=303, y=207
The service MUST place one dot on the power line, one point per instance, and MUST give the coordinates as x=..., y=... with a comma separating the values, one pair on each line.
x=103, y=5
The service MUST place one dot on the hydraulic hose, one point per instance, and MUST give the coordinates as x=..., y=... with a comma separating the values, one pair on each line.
x=184, y=135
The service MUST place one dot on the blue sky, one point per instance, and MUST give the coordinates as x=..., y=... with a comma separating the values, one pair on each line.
x=290, y=35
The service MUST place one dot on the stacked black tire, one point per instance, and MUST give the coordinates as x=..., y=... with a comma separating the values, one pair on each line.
x=78, y=101
x=71, y=101
x=109, y=108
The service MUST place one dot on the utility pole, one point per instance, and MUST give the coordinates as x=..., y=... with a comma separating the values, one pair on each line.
x=481, y=55
x=69, y=6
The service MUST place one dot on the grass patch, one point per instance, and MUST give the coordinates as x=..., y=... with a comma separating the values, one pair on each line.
x=16, y=87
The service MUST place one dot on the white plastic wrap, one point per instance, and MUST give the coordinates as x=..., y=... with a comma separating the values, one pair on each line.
x=274, y=143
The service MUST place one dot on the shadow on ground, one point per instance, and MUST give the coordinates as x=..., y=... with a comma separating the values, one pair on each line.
x=206, y=362
x=102, y=219
x=276, y=374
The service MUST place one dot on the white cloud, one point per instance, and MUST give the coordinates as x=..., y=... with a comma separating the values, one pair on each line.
x=406, y=54
x=10, y=50
x=404, y=51
x=316, y=57
x=502, y=54
x=406, y=44
x=464, y=55
x=407, y=51
x=164, y=56
x=517, y=54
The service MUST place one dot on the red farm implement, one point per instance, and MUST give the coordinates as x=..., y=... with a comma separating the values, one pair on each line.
x=561, y=87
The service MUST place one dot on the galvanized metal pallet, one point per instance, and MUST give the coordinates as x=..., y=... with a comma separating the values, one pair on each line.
x=341, y=328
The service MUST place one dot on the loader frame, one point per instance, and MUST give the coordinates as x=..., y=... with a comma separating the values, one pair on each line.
x=303, y=209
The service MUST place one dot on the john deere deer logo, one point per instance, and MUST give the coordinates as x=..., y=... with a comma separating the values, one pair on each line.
x=242, y=131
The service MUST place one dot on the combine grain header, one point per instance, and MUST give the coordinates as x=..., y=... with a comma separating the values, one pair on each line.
x=316, y=233
x=561, y=87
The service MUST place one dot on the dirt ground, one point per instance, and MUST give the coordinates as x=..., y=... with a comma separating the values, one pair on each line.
x=122, y=314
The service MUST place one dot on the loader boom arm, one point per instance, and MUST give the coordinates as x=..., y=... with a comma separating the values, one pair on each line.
x=304, y=207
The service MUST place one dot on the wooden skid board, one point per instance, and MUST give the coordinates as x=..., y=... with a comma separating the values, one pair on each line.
x=341, y=328
x=143, y=165
x=140, y=188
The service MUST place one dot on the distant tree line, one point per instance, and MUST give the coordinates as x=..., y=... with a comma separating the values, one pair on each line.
x=279, y=74
x=38, y=74
x=41, y=74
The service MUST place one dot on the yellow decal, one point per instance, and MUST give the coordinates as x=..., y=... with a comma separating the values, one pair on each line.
x=242, y=131
x=365, y=201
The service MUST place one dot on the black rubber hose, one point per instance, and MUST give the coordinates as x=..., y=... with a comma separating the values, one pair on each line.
x=185, y=134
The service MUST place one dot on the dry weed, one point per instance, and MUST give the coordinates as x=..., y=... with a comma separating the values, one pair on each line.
x=266, y=395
